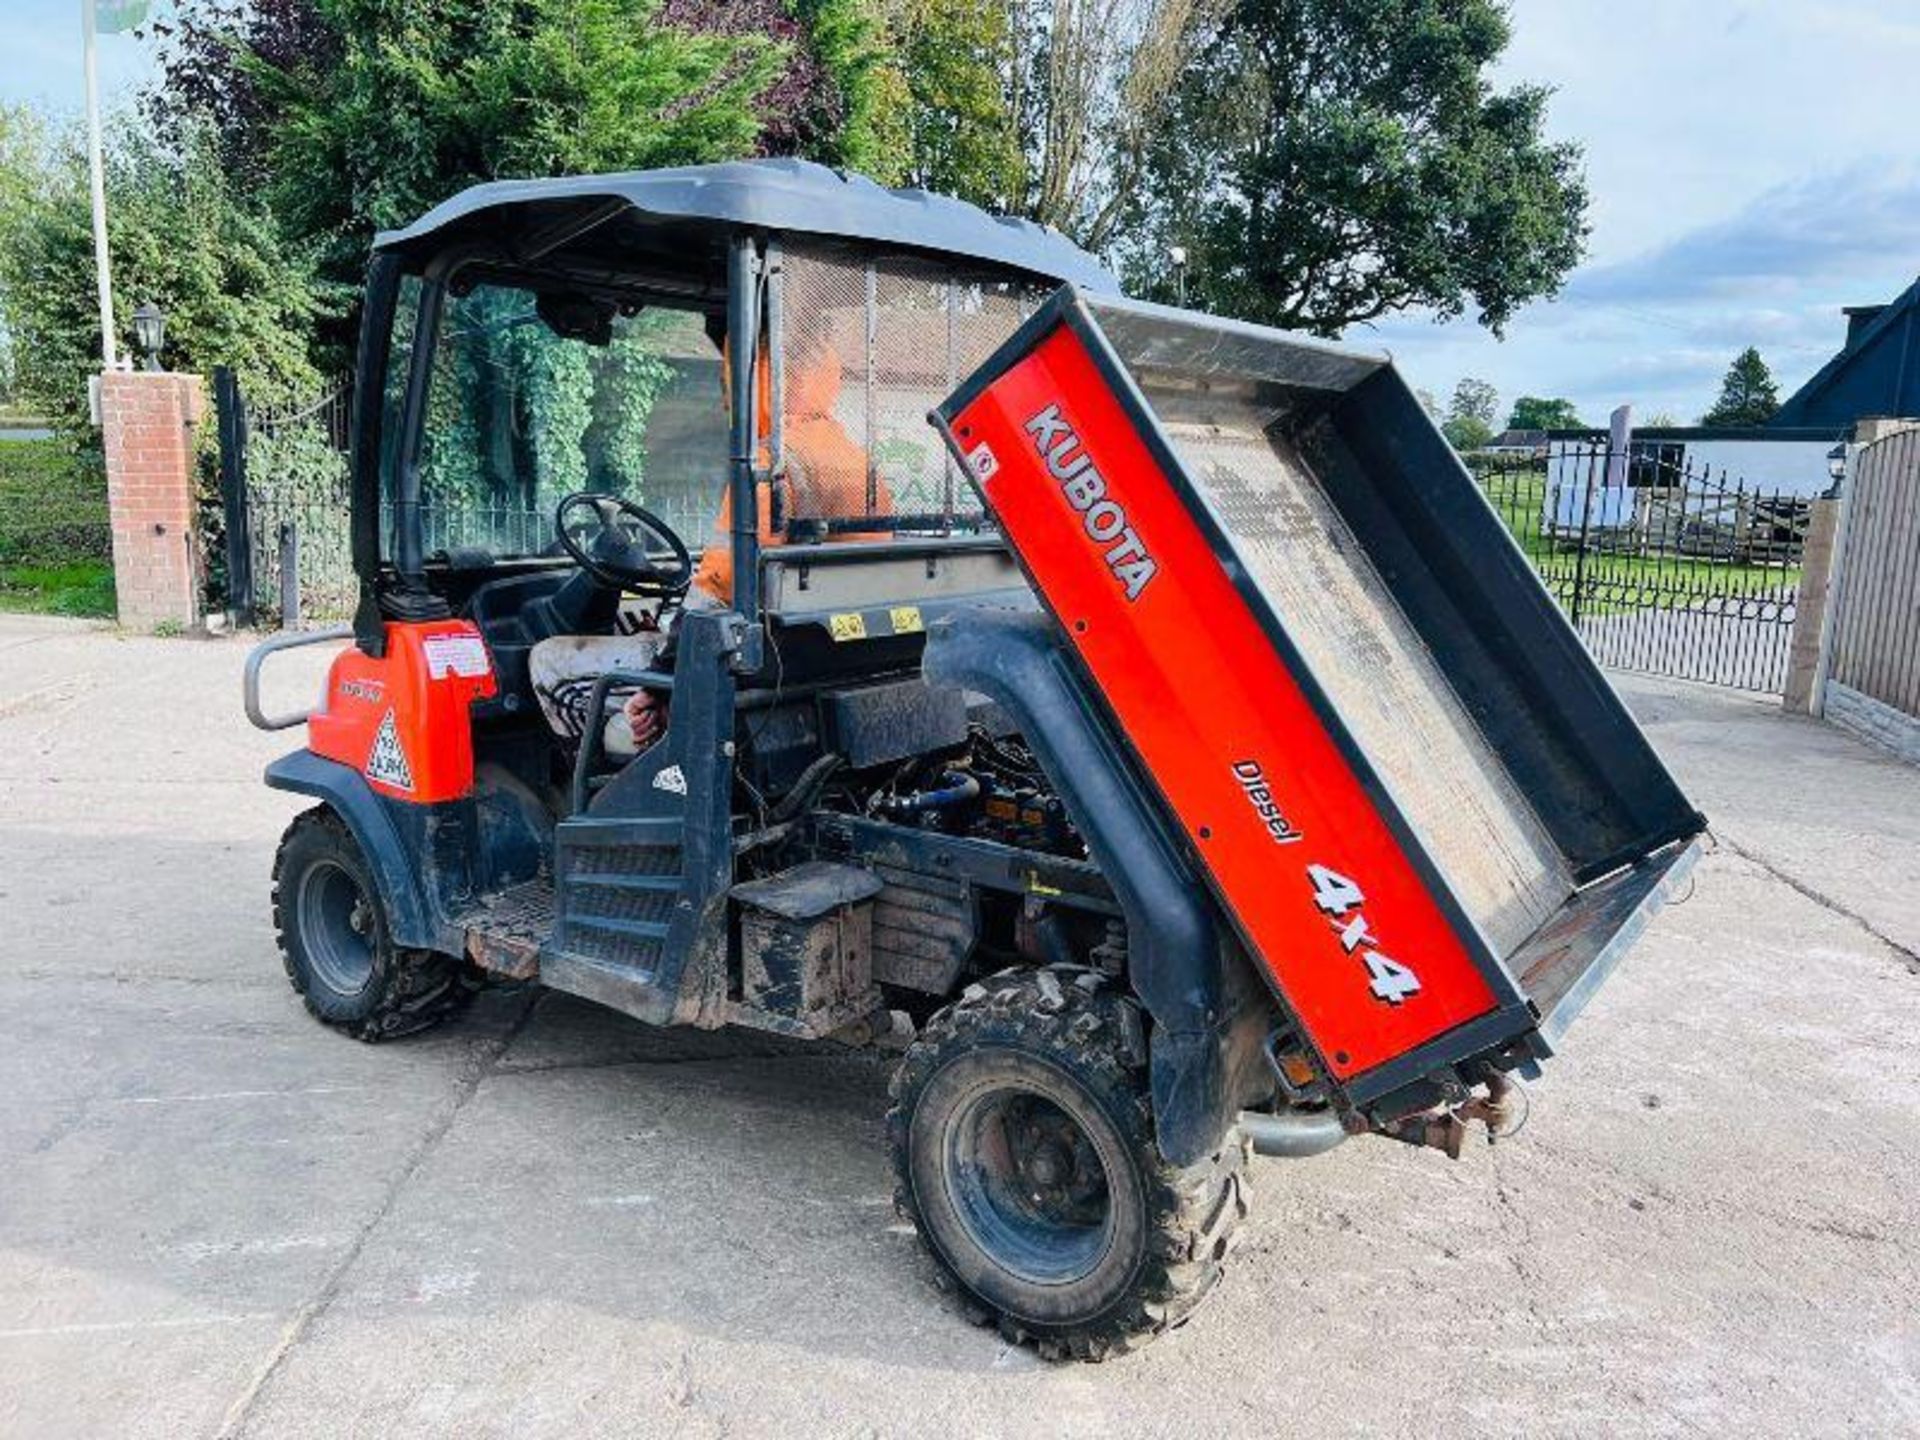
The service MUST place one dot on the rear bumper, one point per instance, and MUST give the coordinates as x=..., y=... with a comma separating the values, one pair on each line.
x=1574, y=953
x=1559, y=968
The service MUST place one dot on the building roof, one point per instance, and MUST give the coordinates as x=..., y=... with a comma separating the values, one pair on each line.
x=1877, y=371
x=793, y=196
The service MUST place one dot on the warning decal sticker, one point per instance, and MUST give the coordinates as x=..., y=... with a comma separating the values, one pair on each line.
x=455, y=654
x=387, y=762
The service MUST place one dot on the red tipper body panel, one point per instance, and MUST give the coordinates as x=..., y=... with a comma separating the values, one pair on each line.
x=401, y=720
x=1324, y=894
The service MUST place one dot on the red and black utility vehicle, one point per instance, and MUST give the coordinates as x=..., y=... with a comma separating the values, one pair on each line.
x=1162, y=742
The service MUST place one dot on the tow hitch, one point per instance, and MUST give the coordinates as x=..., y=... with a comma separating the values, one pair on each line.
x=1502, y=1108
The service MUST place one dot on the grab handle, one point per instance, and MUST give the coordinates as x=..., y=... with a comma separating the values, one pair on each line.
x=250, y=683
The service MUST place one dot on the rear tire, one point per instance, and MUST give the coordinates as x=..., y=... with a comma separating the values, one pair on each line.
x=1022, y=1140
x=335, y=944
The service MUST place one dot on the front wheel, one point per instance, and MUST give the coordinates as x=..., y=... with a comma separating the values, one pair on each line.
x=1022, y=1140
x=335, y=944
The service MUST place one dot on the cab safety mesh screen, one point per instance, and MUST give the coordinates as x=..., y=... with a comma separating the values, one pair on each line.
x=867, y=347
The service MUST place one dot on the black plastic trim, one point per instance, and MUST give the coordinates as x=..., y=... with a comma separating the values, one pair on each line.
x=409, y=919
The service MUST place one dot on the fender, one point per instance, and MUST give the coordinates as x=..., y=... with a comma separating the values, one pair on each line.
x=1175, y=951
x=345, y=789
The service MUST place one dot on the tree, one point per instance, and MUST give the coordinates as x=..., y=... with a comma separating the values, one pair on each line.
x=961, y=137
x=1469, y=422
x=1531, y=412
x=1089, y=84
x=1748, y=395
x=858, y=109
x=179, y=234
x=351, y=116
x=1327, y=162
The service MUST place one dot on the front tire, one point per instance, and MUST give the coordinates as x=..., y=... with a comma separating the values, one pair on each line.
x=1022, y=1141
x=336, y=946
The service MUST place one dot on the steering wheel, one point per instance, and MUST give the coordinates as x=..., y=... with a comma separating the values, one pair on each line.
x=616, y=553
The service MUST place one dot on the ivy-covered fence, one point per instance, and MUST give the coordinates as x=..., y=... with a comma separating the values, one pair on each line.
x=517, y=416
x=285, y=506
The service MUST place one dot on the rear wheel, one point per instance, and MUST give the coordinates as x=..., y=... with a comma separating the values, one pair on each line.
x=1022, y=1139
x=335, y=943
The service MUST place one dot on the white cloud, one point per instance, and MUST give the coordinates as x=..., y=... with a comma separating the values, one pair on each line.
x=1751, y=172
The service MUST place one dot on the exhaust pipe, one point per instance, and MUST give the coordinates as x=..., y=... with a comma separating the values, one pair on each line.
x=1294, y=1135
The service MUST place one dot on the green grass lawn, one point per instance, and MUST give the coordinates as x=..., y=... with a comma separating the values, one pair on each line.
x=54, y=538
x=78, y=587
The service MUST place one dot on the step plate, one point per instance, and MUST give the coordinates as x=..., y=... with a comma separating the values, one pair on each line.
x=505, y=931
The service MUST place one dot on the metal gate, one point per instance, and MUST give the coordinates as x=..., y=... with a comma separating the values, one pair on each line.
x=1873, y=664
x=285, y=506
x=1661, y=568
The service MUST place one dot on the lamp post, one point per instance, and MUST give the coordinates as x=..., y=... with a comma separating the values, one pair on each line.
x=150, y=332
x=97, y=186
x=1177, y=257
x=102, y=17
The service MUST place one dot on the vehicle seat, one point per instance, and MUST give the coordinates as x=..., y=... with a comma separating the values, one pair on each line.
x=564, y=668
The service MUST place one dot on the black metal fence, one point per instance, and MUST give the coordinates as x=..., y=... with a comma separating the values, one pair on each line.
x=1662, y=568
x=285, y=504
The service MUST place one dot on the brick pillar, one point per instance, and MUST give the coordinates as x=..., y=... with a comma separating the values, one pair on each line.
x=147, y=425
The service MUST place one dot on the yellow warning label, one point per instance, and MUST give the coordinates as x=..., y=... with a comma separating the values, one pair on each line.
x=906, y=619
x=851, y=625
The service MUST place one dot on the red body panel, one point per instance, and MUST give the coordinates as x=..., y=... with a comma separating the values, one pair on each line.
x=402, y=720
x=1320, y=888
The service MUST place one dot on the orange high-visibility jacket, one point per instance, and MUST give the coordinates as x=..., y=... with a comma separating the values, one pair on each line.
x=825, y=474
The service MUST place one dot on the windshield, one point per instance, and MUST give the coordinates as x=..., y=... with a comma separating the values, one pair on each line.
x=530, y=399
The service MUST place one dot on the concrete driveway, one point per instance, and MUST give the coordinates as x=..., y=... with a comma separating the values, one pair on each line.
x=217, y=1218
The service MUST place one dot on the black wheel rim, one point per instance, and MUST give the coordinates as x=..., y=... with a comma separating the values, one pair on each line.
x=336, y=928
x=1029, y=1186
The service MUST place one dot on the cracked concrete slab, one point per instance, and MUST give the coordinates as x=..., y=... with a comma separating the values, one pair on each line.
x=216, y=1217
x=1827, y=812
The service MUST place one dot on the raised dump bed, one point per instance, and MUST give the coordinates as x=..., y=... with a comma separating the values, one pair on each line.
x=1425, y=810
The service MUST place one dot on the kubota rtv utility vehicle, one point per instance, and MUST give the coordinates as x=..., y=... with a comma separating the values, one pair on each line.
x=1162, y=742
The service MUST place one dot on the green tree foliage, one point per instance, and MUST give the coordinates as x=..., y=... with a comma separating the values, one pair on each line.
x=357, y=115
x=1531, y=412
x=863, y=115
x=422, y=100
x=1469, y=421
x=521, y=416
x=1748, y=394
x=178, y=235
x=1326, y=162
x=1474, y=399
x=960, y=138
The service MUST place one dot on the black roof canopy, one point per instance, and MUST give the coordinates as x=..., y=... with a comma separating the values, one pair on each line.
x=674, y=211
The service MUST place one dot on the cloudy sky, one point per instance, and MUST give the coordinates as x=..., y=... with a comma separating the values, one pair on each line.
x=1753, y=166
